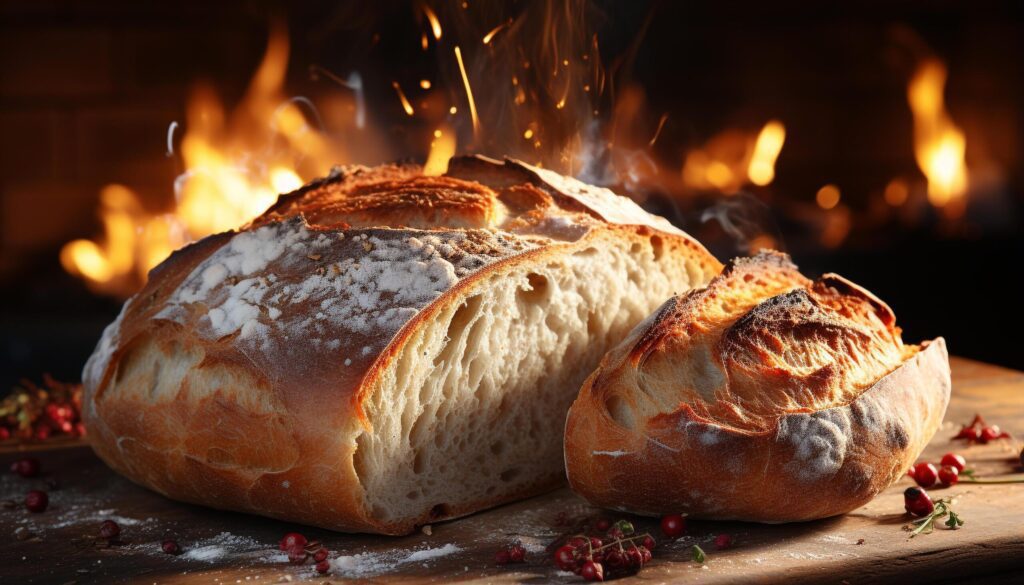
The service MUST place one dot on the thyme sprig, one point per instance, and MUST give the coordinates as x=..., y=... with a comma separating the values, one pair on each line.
x=943, y=509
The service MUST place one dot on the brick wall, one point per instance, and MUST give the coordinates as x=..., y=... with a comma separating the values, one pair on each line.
x=86, y=94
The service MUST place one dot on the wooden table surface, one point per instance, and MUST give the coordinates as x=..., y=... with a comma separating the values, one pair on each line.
x=868, y=545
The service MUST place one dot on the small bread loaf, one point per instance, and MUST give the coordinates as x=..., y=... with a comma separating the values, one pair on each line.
x=764, y=397
x=381, y=349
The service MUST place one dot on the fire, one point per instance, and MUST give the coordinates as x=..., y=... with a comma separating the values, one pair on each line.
x=441, y=150
x=134, y=242
x=767, y=147
x=939, y=144
x=731, y=159
x=236, y=165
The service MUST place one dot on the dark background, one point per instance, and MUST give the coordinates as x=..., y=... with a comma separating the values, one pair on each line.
x=87, y=91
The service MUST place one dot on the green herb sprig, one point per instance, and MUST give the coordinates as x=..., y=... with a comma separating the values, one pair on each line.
x=943, y=509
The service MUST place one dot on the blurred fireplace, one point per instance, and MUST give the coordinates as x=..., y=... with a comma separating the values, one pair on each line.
x=87, y=93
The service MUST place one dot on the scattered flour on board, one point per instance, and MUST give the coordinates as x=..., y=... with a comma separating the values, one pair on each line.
x=85, y=514
x=224, y=546
x=835, y=538
x=372, y=563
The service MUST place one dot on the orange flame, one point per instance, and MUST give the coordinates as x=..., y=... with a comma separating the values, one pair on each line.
x=442, y=148
x=222, y=188
x=939, y=145
x=733, y=158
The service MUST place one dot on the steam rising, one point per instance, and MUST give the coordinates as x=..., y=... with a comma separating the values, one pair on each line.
x=747, y=220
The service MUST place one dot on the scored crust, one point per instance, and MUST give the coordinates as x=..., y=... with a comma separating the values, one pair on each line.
x=764, y=396
x=266, y=370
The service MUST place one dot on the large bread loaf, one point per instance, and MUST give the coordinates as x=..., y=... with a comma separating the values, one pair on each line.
x=380, y=349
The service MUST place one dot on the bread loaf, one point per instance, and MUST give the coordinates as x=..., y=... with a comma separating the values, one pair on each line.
x=380, y=349
x=764, y=396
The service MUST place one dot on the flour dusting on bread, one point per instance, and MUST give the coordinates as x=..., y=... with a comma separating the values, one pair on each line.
x=358, y=282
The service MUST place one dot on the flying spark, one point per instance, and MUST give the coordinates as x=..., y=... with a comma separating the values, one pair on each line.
x=469, y=91
x=401, y=95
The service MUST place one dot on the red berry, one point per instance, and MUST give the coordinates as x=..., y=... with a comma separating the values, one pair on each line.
x=649, y=542
x=323, y=566
x=170, y=546
x=502, y=557
x=634, y=557
x=615, y=559
x=645, y=553
x=27, y=467
x=579, y=541
x=949, y=475
x=916, y=502
x=36, y=501
x=292, y=540
x=596, y=543
x=616, y=533
x=4, y=434
x=109, y=529
x=989, y=434
x=320, y=554
x=955, y=460
x=592, y=571
x=723, y=541
x=565, y=557
x=517, y=554
x=603, y=524
x=925, y=474
x=673, y=525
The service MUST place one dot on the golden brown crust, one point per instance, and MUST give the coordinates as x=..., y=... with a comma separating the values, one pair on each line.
x=296, y=315
x=762, y=385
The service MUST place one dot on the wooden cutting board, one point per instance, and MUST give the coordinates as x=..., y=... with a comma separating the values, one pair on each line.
x=868, y=545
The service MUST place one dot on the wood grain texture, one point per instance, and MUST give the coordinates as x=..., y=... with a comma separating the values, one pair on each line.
x=989, y=546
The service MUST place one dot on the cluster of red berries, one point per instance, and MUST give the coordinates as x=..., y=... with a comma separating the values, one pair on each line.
x=981, y=432
x=32, y=412
x=513, y=553
x=299, y=549
x=948, y=473
x=917, y=502
x=619, y=552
